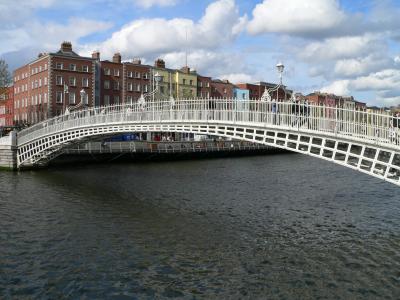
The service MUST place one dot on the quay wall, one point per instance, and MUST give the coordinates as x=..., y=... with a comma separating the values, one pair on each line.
x=8, y=152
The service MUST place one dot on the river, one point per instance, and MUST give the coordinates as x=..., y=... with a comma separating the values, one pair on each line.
x=265, y=227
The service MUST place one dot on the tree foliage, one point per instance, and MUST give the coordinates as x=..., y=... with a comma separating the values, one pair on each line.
x=5, y=76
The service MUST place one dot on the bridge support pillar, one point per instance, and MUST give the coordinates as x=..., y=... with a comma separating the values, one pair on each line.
x=8, y=152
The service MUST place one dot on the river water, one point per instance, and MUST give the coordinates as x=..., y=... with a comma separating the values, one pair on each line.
x=266, y=227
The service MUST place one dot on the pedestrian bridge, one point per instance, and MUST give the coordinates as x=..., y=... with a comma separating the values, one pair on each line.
x=361, y=140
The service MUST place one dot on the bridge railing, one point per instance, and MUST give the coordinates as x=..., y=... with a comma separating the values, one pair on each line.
x=377, y=127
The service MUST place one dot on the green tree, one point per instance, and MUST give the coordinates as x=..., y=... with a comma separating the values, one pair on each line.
x=5, y=76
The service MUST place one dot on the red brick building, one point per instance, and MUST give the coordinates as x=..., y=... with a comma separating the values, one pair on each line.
x=333, y=100
x=52, y=82
x=204, y=86
x=121, y=82
x=222, y=89
x=136, y=80
x=257, y=90
x=6, y=106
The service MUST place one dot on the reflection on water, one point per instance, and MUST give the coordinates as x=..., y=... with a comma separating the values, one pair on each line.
x=282, y=226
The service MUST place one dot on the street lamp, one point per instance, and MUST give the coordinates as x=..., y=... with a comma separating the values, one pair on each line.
x=83, y=102
x=83, y=97
x=280, y=67
x=157, y=78
x=267, y=92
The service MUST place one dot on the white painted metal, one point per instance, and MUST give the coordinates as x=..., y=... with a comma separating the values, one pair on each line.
x=353, y=138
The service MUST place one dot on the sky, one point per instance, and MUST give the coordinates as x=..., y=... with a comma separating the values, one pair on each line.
x=346, y=47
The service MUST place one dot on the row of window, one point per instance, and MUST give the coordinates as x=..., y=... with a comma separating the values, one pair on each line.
x=130, y=74
x=206, y=84
x=33, y=71
x=107, y=99
x=138, y=75
x=35, y=100
x=72, y=81
x=34, y=84
x=72, y=67
x=72, y=97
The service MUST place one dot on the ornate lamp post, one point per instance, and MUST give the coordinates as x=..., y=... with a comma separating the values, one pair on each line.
x=142, y=100
x=82, y=103
x=267, y=92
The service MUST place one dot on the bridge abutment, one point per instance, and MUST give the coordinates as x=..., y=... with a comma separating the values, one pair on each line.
x=8, y=152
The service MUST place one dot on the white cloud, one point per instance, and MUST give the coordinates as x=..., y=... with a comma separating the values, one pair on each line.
x=341, y=48
x=361, y=65
x=219, y=26
x=12, y=13
x=208, y=63
x=295, y=16
x=149, y=3
x=239, y=78
x=383, y=80
x=340, y=88
x=48, y=36
x=383, y=84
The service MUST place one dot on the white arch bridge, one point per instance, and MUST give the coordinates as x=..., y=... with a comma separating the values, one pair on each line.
x=364, y=141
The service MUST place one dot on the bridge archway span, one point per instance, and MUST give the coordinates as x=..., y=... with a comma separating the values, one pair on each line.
x=377, y=161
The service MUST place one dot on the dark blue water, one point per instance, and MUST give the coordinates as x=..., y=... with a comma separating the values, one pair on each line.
x=268, y=227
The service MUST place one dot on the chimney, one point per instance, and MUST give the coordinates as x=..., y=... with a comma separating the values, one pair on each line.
x=66, y=47
x=186, y=70
x=136, y=61
x=96, y=55
x=117, y=58
x=159, y=63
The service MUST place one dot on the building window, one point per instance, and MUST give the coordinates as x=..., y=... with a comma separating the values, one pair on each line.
x=116, y=72
x=130, y=87
x=59, y=66
x=184, y=81
x=45, y=66
x=36, y=84
x=130, y=74
x=106, y=100
x=59, y=80
x=40, y=99
x=59, y=97
x=137, y=75
x=85, y=82
x=138, y=88
x=40, y=82
x=116, y=99
x=191, y=82
x=145, y=75
x=45, y=98
x=71, y=98
x=107, y=84
x=85, y=99
x=224, y=91
x=107, y=71
x=85, y=69
x=72, y=67
x=72, y=81
x=200, y=84
x=129, y=99
x=40, y=68
x=116, y=85
x=45, y=81
x=145, y=88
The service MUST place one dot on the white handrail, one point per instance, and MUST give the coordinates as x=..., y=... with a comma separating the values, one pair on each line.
x=371, y=127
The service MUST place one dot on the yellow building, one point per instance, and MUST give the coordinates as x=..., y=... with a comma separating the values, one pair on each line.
x=186, y=83
x=168, y=82
x=180, y=84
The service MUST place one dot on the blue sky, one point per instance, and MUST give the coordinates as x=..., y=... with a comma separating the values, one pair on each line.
x=347, y=47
